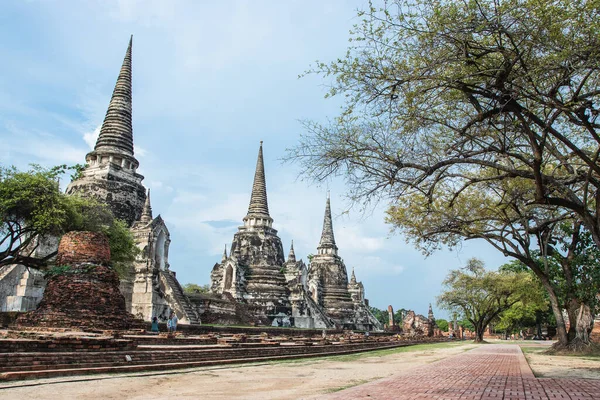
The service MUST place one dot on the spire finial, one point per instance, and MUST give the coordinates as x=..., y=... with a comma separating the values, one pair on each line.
x=224, y=253
x=259, y=207
x=292, y=255
x=327, y=238
x=147, y=210
x=353, y=277
x=116, y=134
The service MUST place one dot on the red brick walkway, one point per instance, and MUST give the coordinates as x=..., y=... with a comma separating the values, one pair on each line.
x=487, y=372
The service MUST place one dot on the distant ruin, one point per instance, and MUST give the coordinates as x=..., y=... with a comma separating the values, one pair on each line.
x=287, y=292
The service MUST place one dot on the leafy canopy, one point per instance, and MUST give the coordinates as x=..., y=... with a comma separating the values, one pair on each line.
x=480, y=295
x=32, y=205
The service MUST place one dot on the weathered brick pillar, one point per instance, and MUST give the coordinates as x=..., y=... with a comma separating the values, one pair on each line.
x=82, y=291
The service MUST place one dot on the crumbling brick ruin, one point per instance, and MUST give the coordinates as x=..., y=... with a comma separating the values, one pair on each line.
x=83, y=293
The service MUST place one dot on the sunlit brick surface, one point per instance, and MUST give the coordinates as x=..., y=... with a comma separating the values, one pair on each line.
x=487, y=372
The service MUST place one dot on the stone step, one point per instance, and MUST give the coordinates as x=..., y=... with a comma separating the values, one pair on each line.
x=16, y=361
x=53, y=372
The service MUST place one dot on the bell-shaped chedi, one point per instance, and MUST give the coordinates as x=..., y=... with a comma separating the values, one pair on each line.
x=328, y=278
x=83, y=290
x=111, y=174
x=253, y=271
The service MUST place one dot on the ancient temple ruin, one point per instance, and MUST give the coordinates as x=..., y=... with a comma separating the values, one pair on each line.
x=110, y=176
x=254, y=283
x=287, y=291
x=110, y=173
x=253, y=271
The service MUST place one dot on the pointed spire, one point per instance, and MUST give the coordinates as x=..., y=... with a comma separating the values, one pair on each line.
x=259, y=207
x=292, y=255
x=430, y=313
x=327, y=238
x=224, y=254
x=147, y=210
x=353, y=277
x=116, y=134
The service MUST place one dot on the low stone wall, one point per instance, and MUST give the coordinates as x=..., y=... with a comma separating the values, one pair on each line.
x=65, y=344
x=249, y=330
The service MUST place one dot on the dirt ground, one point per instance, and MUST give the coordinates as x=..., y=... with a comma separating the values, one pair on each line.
x=547, y=366
x=302, y=379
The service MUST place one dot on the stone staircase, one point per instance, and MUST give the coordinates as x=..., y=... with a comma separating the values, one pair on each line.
x=35, y=365
x=317, y=312
x=180, y=297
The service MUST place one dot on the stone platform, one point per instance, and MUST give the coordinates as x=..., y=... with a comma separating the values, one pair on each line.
x=487, y=372
x=67, y=356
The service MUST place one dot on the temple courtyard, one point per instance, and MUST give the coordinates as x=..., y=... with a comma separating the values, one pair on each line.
x=457, y=370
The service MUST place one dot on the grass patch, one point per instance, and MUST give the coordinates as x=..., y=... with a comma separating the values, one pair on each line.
x=593, y=354
x=531, y=349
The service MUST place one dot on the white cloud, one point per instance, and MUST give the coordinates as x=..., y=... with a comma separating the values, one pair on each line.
x=92, y=137
x=160, y=186
x=40, y=147
x=140, y=151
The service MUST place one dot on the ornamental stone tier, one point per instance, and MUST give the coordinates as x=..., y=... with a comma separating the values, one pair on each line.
x=253, y=271
x=151, y=288
x=328, y=279
x=110, y=174
x=284, y=291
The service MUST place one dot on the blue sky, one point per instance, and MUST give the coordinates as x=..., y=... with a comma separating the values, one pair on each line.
x=210, y=80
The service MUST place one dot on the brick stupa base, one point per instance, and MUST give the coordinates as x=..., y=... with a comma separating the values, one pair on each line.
x=85, y=296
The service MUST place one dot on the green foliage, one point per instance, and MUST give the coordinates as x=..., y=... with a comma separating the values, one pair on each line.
x=477, y=119
x=380, y=315
x=31, y=204
x=465, y=323
x=399, y=316
x=480, y=295
x=191, y=288
x=123, y=249
x=77, y=171
x=517, y=317
x=57, y=270
x=442, y=324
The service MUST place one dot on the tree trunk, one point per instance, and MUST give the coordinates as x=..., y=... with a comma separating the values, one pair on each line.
x=561, y=330
x=573, y=312
x=585, y=323
x=479, y=331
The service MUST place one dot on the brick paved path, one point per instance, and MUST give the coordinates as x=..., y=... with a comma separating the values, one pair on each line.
x=487, y=372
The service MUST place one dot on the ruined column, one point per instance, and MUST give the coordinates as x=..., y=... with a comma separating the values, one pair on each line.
x=391, y=317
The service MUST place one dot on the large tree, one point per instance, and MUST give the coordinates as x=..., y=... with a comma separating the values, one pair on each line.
x=437, y=88
x=501, y=213
x=483, y=111
x=480, y=296
x=32, y=206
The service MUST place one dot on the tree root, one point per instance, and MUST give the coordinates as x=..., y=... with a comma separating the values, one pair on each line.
x=576, y=346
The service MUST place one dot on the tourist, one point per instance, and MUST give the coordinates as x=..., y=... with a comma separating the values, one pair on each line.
x=154, y=325
x=169, y=326
x=174, y=322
